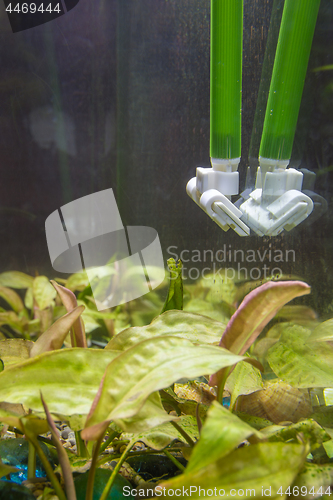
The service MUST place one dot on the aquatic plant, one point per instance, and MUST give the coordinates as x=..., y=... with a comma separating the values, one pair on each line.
x=124, y=391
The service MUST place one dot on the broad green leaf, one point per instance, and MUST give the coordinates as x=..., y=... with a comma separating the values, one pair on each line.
x=194, y=327
x=174, y=299
x=313, y=477
x=163, y=435
x=221, y=433
x=15, y=350
x=69, y=380
x=311, y=430
x=54, y=336
x=152, y=414
x=256, y=310
x=256, y=422
x=78, y=281
x=149, y=366
x=12, y=298
x=69, y=300
x=300, y=363
x=323, y=332
x=6, y=469
x=248, y=471
x=43, y=292
x=244, y=379
x=16, y=279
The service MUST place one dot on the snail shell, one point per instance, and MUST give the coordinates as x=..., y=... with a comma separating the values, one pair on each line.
x=277, y=402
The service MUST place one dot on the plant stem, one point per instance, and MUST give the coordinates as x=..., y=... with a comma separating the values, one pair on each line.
x=109, y=440
x=92, y=470
x=31, y=461
x=226, y=78
x=48, y=469
x=113, y=476
x=174, y=460
x=136, y=453
x=183, y=433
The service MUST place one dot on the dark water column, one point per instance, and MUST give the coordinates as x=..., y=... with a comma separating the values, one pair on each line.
x=162, y=105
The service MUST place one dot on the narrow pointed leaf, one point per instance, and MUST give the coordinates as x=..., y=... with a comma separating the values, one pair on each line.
x=299, y=362
x=149, y=366
x=252, y=469
x=256, y=310
x=69, y=380
x=69, y=300
x=221, y=433
x=62, y=455
x=191, y=326
x=54, y=336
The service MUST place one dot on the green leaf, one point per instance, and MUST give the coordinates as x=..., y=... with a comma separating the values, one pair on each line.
x=6, y=469
x=194, y=327
x=62, y=455
x=300, y=363
x=174, y=299
x=53, y=338
x=256, y=310
x=244, y=379
x=14, y=351
x=312, y=432
x=152, y=414
x=69, y=380
x=13, y=299
x=11, y=414
x=78, y=281
x=221, y=433
x=161, y=436
x=43, y=292
x=16, y=279
x=149, y=366
x=328, y=445
x=251, y=469
x=322, y=332
x=313, y=476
